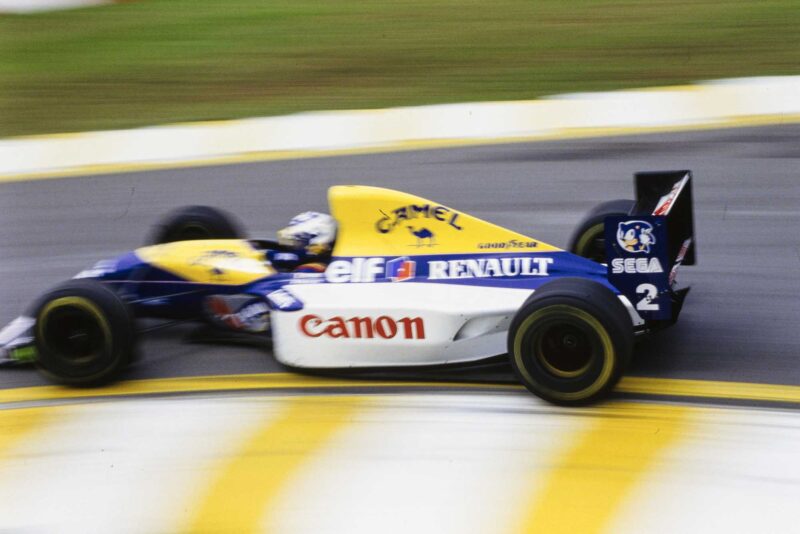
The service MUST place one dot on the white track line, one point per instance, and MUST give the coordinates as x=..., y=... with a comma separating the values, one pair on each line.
x=119, y=467
x=32, y=6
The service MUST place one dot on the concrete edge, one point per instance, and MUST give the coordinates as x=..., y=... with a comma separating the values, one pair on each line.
x=720, y=103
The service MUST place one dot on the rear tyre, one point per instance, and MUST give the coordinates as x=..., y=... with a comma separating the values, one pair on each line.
x=196, y=222
x=588, y=239
x=84, y=334
x=571, y=341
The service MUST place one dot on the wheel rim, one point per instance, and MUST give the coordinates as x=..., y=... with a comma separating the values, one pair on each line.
x=592, y=244
x=564, y=350
x=585, y=382
x=73, y=330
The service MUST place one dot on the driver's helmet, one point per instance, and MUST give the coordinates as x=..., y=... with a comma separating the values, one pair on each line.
x=310, y=233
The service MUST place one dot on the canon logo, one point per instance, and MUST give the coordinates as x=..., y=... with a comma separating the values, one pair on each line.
x=383, y=327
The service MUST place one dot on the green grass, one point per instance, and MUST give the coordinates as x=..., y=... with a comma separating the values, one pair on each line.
x=159, y=61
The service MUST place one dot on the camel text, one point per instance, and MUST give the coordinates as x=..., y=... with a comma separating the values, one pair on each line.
x=390, y=220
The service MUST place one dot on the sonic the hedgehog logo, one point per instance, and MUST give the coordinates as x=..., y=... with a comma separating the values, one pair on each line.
x=635, y=236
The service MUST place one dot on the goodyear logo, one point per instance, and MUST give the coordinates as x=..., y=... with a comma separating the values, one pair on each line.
x=511, y=244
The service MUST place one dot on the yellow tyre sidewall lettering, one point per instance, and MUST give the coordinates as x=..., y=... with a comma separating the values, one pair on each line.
x=81, y=303
x=587, y=237
x=609, y=354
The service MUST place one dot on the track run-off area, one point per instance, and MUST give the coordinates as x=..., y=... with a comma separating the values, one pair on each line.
x=395, y=462
x=207, y=438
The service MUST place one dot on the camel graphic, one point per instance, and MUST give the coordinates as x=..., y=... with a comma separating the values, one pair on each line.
x=422, y=234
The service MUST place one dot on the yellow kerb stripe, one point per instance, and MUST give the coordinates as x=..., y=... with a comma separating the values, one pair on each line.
x=710, y=389
x=270, y=381
x=247, y=484
x=594, y=476
x=190, y=384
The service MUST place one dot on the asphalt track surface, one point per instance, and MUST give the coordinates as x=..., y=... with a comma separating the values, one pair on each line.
x=741, y=321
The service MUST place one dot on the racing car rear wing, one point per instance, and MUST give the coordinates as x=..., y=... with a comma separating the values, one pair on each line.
x=669, y=194
x=645, y=248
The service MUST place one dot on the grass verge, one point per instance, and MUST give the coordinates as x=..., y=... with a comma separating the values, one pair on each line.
x=160, y=61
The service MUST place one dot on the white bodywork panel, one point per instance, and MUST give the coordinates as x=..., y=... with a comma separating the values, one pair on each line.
x=395, y=324
x=459, y=324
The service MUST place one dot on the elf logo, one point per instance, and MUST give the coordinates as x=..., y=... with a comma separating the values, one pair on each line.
x=365, y=270
x=401, y=269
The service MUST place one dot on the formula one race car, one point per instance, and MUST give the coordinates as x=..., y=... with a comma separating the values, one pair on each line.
x=409, y=283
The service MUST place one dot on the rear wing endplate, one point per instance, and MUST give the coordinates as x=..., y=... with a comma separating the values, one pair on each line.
x=669, y=194
x=645, y=248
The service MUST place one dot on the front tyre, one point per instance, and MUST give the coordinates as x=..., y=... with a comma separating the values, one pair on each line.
x=196, y=222
x=84, y=334
x=571, y=341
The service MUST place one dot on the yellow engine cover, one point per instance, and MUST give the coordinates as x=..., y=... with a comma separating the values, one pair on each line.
x=381, y=222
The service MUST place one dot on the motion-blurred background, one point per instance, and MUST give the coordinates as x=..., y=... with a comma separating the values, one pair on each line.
x=142, y=62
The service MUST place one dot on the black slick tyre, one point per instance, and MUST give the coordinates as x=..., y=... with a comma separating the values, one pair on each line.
x=588, y=239
x=196, y=222
x=571, y=341
x=84, y=334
